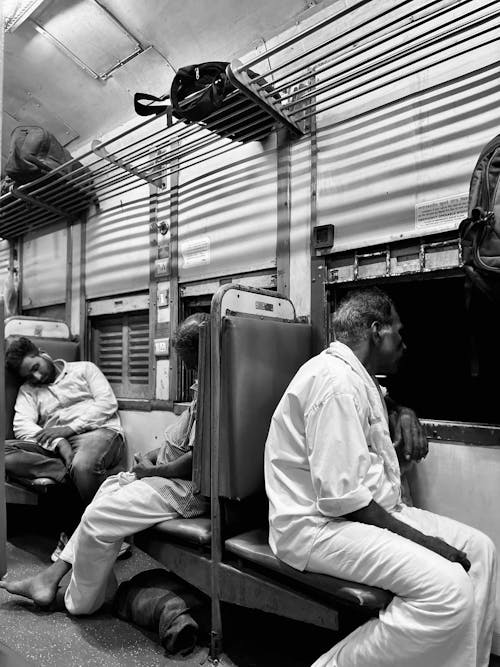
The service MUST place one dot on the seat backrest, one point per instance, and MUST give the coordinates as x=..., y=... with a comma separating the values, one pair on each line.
x=259, y=357
x=58, y=349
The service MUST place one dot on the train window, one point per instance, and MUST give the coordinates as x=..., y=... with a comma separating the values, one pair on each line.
x=451, y=361
x=120, y=347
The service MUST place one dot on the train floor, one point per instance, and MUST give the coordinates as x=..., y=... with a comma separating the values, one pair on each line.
x=32, y=636
x=55, y=639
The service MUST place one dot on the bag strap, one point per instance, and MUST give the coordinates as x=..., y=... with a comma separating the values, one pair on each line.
x=148, y=109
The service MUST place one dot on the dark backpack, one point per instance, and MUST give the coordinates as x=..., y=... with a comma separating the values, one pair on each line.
x=198, y=91
x=480, y=232
x=33, y=151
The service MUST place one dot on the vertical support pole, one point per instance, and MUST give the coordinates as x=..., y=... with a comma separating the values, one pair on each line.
x=319, y=305
x=69, y=273
x=14, y=267
x=84, y=338
x=175, y=369
x=216, y=638
x=283, y=225
x=20, y=269
x=153, y=288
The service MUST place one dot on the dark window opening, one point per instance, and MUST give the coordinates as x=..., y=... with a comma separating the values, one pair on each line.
x=120, y=348
x=451, y=366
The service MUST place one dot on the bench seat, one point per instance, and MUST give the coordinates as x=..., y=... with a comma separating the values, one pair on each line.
x=25, y=491
x=254, y=548
x=195, y=532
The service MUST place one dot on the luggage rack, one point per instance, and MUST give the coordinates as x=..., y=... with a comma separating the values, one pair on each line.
x=313, y=70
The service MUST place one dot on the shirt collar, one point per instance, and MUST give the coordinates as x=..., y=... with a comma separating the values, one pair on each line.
x=344, y=352
x=61, y=368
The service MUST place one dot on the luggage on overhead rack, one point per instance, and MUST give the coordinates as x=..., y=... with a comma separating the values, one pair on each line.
x=204, y=93
x=480, y=231
x=34, y=153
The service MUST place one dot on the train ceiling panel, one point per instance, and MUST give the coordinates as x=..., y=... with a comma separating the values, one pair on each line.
x=147, y=72
x=97, y=41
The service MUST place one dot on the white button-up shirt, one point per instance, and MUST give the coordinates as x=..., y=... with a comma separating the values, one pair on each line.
x=80, y=397
x=328, y=452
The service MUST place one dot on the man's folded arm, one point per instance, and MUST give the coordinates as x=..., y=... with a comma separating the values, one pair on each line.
x=26, y=417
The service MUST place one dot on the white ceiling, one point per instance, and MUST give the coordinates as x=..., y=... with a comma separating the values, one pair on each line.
x=44, y=86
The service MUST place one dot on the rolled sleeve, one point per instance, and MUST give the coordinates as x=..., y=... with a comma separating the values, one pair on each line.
x=350, y=502
x=339, y=457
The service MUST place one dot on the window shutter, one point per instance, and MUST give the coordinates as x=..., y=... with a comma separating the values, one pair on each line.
x=109, y=351
x=138, y=349
x=120, y=348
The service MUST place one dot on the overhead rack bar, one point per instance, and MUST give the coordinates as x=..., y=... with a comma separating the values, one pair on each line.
x=332, y=62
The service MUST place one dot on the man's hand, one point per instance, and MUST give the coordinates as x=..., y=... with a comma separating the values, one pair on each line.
x=65, y=451
x=408, y=435
x=142, y=466
x=447, y=551
x=48, y=434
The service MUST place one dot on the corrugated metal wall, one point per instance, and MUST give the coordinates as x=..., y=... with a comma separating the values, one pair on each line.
x=385, y=150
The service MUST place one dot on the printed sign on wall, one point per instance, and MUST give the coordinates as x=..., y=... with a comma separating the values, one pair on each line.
x=195, y=252
x=446, y=212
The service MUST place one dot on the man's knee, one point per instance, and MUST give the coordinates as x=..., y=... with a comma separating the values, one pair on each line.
x=455, y=597
x=486, y=548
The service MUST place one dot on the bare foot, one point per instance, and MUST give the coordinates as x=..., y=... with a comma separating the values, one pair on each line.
x=41, y=588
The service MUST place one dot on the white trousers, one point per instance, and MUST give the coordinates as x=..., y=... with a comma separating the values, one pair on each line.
x=440, y=616
x=122, y=506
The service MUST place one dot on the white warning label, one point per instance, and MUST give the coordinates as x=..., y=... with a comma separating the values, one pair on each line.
x=196, y=252
x=445, y=212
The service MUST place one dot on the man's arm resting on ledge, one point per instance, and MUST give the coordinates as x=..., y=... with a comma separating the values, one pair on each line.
x=375, y=515
x=181, y=468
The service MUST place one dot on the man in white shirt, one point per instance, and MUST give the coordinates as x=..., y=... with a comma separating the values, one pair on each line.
x=158, y=488
x=68, y=408
x=335, y=507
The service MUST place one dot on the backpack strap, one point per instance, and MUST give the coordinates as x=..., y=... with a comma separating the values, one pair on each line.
x=473, y=350
x=142, y=109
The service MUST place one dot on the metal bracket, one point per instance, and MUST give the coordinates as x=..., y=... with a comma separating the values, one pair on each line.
x=240, y=79
x=36, y=202
x=101, y=152
x=378, y=253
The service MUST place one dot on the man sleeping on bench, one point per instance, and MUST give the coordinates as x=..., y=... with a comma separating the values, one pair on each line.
x=158, y=488
x=66, y=415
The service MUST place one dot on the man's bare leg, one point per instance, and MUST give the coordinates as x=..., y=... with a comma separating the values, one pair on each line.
x=41, y=588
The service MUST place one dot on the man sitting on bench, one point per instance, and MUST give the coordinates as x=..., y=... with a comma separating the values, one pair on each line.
x=335, y=508
x=158, y=488
x=67, y=409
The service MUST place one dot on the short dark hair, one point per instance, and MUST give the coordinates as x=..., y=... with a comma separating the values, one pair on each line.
x=185, y=339
x=357, y=312
x=17, y=350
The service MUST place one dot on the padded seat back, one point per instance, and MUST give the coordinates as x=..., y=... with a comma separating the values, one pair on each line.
x=57, y=349
x=259, y=357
